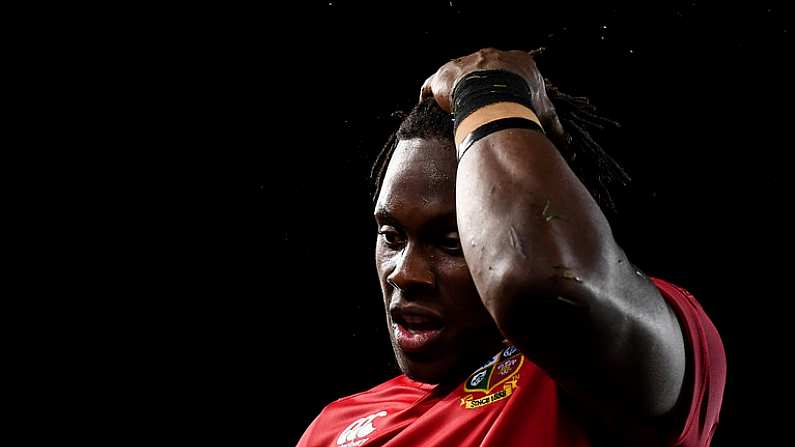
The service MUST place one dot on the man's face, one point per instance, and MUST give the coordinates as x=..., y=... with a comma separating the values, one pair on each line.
x=438, y=324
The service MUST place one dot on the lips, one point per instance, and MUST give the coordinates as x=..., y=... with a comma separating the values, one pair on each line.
x=415, y=328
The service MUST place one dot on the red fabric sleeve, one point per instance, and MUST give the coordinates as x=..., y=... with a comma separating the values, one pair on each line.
x=706, y=365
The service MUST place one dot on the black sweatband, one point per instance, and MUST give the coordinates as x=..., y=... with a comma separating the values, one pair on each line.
x=481, y=88
x=494, y=126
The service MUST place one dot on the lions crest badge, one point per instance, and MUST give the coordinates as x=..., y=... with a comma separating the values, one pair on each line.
x=494, y=381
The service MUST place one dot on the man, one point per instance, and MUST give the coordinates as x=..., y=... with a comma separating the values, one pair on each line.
x=514, y=315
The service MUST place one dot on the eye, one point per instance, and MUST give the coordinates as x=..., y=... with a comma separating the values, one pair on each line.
x=451, y=242
x=392, y=237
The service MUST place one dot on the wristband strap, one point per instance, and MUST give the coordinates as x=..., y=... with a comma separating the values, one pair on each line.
x=492, y=112
x=495, y=126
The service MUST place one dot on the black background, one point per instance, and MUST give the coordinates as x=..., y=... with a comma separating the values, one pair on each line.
x=249, y=299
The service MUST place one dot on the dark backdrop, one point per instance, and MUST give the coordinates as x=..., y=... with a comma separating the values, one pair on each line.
x=267, y=305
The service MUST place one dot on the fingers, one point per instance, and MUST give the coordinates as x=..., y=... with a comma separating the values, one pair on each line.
x=441, y=84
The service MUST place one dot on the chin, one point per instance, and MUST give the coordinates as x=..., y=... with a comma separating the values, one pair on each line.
x=425, y=369
x=424, y=375
x=446, y=363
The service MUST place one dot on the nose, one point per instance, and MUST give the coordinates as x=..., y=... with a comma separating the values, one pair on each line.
x=412, y=271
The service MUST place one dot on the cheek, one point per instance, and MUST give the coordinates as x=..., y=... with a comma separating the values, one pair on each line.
x=470, y=312
x=379, y=256
x=384, y=261
x=459, y=282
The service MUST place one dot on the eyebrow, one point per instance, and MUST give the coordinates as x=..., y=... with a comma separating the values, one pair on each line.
x=383, y=215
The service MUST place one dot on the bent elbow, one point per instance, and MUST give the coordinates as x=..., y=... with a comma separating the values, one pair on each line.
x=518, y=300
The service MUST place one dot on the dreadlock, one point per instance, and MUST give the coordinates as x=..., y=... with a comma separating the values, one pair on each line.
x=598, y=171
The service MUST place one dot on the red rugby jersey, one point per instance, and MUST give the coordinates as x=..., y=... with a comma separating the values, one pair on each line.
x=511, y=402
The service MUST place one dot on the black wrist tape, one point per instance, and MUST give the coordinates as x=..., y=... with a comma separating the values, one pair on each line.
x=481, y=88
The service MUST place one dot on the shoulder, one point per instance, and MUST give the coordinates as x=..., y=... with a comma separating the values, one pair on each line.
x=361, y=409
x=699, y=404
x=395, y=389
x=700, y=333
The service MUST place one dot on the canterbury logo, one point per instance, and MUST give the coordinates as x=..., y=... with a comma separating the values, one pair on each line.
x=356, y=433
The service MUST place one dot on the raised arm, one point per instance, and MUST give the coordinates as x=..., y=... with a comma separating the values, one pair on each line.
x=549, y=271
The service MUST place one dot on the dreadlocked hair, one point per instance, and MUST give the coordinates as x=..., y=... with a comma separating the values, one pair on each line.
x=598, y=171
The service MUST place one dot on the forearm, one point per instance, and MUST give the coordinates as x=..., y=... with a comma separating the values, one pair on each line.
x=546, y=265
